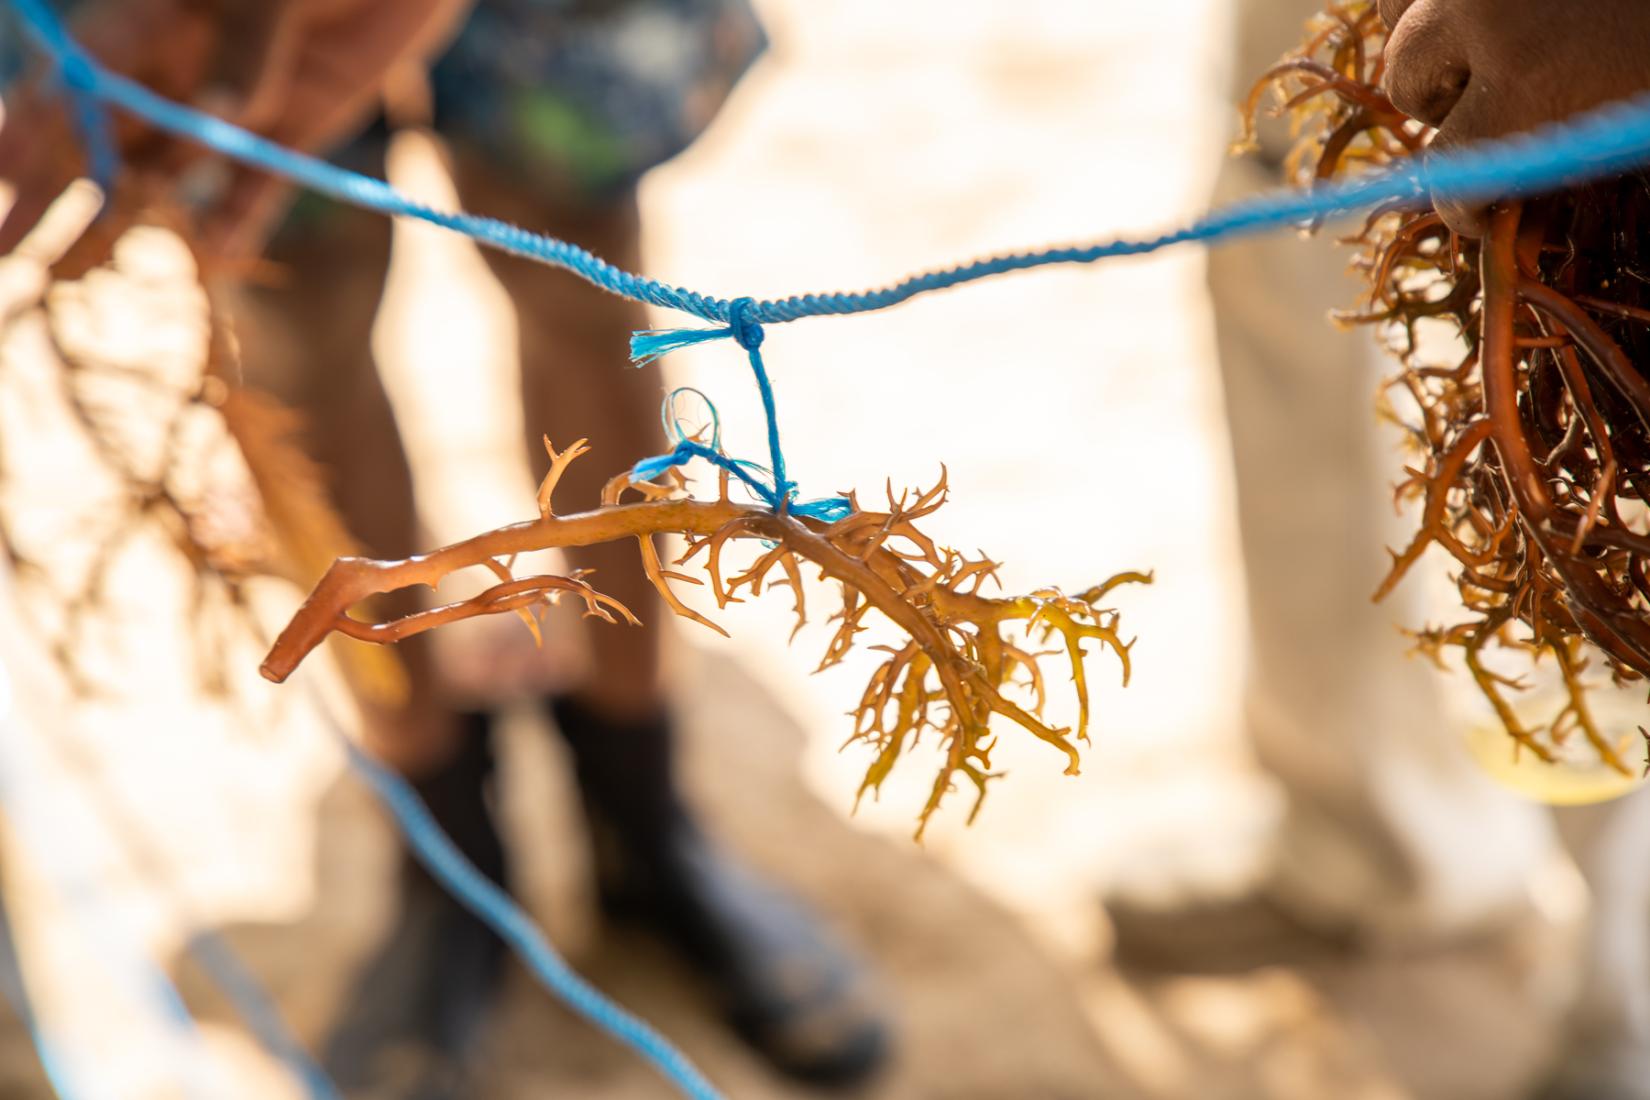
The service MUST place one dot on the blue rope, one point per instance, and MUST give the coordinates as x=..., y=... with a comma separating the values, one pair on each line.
x=780, y=494
x=1603, y=142
x=14, y=989
x=77, y=73
x=259, y=1013
x=494, y=908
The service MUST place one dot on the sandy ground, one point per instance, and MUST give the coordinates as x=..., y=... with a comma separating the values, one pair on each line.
x=1079, y=417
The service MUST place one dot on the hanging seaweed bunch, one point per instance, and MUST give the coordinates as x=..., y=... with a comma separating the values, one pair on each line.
x=961, y=656
x=125, y=441
x=1532, y=449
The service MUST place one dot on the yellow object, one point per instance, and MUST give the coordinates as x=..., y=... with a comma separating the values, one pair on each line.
x=1577, y=778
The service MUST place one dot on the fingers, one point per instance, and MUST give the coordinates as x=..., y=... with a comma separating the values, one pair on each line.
x=1482, y=69
x=1427, y=61
x=318, y=81
x=1391, y=11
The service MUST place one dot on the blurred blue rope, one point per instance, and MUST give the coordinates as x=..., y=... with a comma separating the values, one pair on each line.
x=495, y=908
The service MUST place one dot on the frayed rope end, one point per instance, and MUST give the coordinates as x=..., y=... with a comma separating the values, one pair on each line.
x=651, y=344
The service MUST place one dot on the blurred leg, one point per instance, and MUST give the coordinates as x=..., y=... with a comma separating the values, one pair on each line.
x=419, y=1002
x=1389, y=827
x=1607, y=1041
x=1389, y=831
x=577, y=383
x=800, y=998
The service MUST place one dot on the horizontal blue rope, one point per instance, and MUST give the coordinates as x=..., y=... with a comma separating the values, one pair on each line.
x=494, y=908
x=1604, y=142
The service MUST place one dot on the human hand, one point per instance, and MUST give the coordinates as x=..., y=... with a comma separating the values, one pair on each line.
x=1479, y=69
x=312, y=72
x=164, y=44
x=304, y=73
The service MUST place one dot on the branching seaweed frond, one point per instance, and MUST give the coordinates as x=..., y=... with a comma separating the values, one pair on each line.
x=1531, y=454
x=965, y=657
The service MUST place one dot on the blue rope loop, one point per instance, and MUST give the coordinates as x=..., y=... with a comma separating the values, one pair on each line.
x=672, y=418
x=754, y=477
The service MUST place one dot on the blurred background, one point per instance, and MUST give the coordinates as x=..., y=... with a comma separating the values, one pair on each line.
x=1079, y=415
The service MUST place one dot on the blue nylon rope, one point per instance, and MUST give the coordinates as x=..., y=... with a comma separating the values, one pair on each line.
x=1603, y=142
x=495, y=908
x=781, y=493
x=259, y=1012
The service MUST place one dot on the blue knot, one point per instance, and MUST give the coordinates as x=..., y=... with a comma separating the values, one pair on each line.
x=745, y=330
x=77, y=72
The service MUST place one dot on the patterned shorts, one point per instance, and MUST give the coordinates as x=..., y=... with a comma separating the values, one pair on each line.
x=581, y=95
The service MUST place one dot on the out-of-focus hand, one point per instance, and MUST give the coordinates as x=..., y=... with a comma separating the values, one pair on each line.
x=1480, y=69
x=311, y=72
x=165, y=44
x=304, y=73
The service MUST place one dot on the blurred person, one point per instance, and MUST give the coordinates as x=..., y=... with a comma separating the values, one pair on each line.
x=1390, y=838
x=552, y=111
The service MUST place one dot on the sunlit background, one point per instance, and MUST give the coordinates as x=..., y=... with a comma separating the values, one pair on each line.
x=1078, y=414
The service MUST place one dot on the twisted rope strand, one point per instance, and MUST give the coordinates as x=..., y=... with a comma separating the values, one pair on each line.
x=1603, y=142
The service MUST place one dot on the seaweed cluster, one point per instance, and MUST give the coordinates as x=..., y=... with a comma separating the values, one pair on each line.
x=964, y=656
x=1531, y=450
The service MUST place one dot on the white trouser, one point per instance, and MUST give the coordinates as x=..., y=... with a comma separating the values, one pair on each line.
x=1389, y=824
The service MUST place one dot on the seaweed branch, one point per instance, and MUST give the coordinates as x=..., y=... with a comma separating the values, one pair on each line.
x=1532, y=454
x=959, y=664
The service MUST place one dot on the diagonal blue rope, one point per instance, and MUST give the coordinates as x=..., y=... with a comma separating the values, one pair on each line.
x=494, y=908
x=77, y=72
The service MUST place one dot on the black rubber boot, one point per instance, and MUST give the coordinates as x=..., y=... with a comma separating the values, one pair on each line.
x=411, y=1024
x=789, y=989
